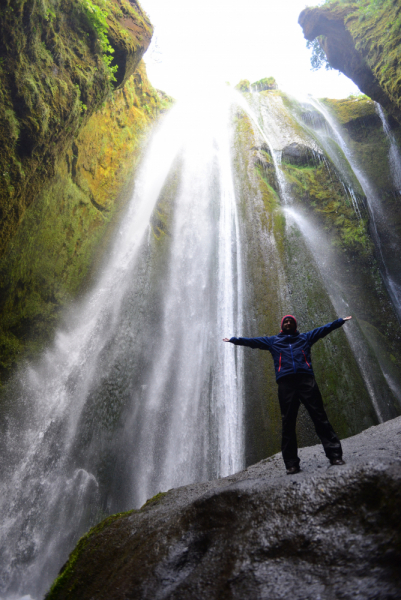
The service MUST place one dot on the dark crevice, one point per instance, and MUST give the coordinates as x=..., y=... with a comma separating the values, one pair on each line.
x=96, y=205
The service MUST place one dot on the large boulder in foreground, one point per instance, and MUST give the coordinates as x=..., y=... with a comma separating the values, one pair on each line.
x=328, y=532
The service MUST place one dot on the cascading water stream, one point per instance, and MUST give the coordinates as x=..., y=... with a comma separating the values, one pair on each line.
x=322, y=254
x=394, y=152
x=42, y=489
x=138, y=394
x=203, y=296
x=274, y=130
x=380, y=221
x=318, y=244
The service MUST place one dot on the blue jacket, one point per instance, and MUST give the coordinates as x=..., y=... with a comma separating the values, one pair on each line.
x=291, y=353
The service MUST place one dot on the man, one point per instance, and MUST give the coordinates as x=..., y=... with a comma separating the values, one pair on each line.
x=291, y=352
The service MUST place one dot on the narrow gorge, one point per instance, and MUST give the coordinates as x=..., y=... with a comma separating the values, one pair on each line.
x=138, y=232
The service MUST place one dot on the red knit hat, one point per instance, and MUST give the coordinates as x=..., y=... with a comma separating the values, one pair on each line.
x=291, y=317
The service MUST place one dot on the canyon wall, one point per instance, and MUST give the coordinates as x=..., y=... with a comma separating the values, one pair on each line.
x=361, y=39
x=332, y=267
x=72, y=129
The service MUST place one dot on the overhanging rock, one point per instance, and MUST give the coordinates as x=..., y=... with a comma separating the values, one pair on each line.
x=339, y=41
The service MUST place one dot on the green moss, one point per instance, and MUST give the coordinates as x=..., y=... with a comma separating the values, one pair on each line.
x=243, y=85
x=358, y=107
x=97, y=13
x=55, y=72
x=271, y=199
x=65, y=232
x=44, y=266
x=154, y=500
x=68, y=569
x=323, y=193
x=267, y=83
x=375, y=28
x=377, y=37
x=62, y=581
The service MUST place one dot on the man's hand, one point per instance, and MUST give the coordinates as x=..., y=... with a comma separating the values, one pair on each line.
x=226, y=340
x=347, y=318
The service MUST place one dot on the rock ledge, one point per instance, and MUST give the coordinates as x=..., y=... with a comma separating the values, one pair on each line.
x=328, y=532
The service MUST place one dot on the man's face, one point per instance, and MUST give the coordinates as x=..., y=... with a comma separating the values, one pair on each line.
x=289, y=325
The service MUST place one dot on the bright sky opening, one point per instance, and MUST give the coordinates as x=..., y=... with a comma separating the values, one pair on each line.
x=202, y=44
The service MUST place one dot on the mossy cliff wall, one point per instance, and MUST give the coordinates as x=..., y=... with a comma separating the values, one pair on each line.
x=64, y=232
x=267, y=293
x=362, y=129
x=358, y=263
x=283, y=275
x=55, y=72
x=361, y=39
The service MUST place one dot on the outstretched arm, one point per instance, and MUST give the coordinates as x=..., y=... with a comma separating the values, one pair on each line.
x=263, y=343
x=321, y=332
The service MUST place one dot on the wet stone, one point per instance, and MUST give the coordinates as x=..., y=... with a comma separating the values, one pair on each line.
x=328, y=532
x=301, y=155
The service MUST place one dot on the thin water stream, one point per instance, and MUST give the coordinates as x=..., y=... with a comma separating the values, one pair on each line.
x=394, y=152
x=386, y=241
x=276, y=134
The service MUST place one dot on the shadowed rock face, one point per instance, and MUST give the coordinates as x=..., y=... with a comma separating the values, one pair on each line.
x=300, y=155
x=54, y=76
x=339, y=47
x=129, y=46
x=324, y=533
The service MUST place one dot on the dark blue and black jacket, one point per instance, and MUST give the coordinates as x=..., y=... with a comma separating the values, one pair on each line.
x=291, y=353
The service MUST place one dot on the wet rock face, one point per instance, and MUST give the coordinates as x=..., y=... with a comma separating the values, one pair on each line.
x=340, y=48
x=324, y=533
x=129, y=34
x=54, y=76
x=262, y=159
x=72, y=219
x=313, y=119
x=300, y=155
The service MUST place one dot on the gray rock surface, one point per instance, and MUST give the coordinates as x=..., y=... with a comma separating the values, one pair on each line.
x=325, y=533
x=299, y=154
x=314, y=119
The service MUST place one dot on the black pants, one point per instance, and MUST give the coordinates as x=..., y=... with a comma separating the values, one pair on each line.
x=292, y=390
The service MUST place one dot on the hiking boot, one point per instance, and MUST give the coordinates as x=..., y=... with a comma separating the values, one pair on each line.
x=293, y=470
x=337, y=461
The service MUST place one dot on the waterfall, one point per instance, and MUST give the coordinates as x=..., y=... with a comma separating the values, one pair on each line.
x=265, y=113
x=394, y=154
x=138, y=393
x=202, y=299
x=322, y=253
x=381, y=222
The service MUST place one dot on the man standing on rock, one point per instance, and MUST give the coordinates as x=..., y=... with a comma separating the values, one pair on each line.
x=291, y=352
